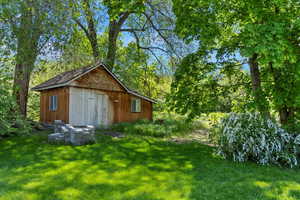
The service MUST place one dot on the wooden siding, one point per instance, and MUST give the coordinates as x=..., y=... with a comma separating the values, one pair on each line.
x=122, y=108
x=119, y=106
x=101, y=81
x=98, y=79
x=62, y=112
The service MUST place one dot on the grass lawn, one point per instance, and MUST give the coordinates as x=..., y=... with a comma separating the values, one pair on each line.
x=134, y=168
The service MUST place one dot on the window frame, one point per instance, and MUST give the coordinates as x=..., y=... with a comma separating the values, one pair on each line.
x=53, y=103
x=134, y=107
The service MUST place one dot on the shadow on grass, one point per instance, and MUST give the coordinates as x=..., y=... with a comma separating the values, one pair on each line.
x=134, y=168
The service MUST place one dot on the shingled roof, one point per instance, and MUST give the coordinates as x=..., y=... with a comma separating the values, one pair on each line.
x=65, y=78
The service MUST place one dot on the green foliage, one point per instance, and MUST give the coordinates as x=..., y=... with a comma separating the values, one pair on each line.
x=200, y=87
x=163, y=127
x=43, y=72
x=29, y=30
x=143, y=128
x=249, y=136
x=116, y=7
x=136, y=72
x=232, y=32
x=10, y=120
x=30, y=25
x=77, y=50
x=215, y=118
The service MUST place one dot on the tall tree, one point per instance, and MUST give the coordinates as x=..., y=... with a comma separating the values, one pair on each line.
x=143, y=21
x=31, y=26
x=259, y=33
x=90, y=30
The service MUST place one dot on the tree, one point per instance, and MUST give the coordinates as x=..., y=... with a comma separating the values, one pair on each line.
x=262, y=34
x=84, y=9
x=118, y=12
x=31, y=25
x=203, y=87
x=143, y=21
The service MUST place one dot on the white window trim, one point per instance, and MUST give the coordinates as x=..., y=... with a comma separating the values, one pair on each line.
x=138, y=105
x=53, y=103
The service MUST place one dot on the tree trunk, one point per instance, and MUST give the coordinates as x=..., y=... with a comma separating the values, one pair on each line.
x=95, y=48
x=286, y=115
x=114, y=30
x=113, y=33
x=91, y=34
x=25, y=59
x=260, y=99
x=27, y=49
x=21, y=87
x=285, y=112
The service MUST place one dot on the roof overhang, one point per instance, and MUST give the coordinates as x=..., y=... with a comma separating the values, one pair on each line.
x=68, y=83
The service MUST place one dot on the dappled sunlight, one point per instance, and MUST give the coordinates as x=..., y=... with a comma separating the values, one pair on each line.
x=134, y=168
x=69, y=193
x=20, y=195
x=262, y=184
x=281, y=190
x=33, y=184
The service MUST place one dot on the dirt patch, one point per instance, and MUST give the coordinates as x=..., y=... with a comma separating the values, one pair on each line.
x=200, y=136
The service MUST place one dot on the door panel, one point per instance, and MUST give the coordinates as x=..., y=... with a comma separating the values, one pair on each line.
x=91, y=111
x=88, y=107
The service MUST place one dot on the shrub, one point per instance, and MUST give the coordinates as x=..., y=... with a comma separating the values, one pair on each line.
x=249, y=136
x=141, y=127
x=157, y=128
x=215, y=118
x=10, y=121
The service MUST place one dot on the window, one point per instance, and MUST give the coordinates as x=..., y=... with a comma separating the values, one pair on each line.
x=53, y=103
x=135, y=105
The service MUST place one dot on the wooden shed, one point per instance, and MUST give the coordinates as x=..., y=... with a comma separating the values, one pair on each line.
x=91, y=95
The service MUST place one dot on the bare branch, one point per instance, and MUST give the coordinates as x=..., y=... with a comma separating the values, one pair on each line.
x=132, y=30
x=155, y=56
x=82, y=27
x=151, y=47
x=159, y=33
x=149, y=3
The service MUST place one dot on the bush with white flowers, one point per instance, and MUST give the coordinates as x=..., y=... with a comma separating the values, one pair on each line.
x=250, y=136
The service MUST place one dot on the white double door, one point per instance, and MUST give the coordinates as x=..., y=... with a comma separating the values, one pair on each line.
x=88, y=107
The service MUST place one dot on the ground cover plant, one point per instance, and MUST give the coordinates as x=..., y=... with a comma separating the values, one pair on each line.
x=140, y=168
x=164, y=125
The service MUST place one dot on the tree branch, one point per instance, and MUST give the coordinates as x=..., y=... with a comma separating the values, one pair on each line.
x=132, y=30
x=123, y=18
x=82, y=27
x=159, y=33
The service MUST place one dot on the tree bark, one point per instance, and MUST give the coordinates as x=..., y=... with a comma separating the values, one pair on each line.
x=21, y=87
x=25, y=60
x=92, y=33
x=112, y=44
x=28, y=35
x=260, y=99
x=114, y=30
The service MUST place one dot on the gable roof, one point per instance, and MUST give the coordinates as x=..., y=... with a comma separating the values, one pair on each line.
x=65, y=78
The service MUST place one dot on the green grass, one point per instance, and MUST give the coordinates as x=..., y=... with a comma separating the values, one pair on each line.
x=134, y=168
x=159, y=128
